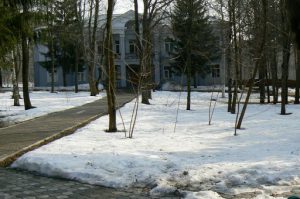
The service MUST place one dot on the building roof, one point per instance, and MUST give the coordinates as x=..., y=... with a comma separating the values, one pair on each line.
x=119, y=21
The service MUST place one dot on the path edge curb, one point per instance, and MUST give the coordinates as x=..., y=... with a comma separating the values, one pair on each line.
x=8, y=160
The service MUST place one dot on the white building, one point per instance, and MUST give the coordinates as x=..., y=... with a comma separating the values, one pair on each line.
x=126, y=59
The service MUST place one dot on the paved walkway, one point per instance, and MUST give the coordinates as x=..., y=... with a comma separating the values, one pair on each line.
x=18, y=139
x=21, y=184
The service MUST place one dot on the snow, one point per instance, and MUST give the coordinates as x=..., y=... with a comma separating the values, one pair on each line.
x=203, y=194
x=198, y=160
x=45, y=103
x=171, y=86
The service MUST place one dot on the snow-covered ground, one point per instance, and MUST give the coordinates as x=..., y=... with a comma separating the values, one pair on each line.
x=196, y=159
x=45, y=103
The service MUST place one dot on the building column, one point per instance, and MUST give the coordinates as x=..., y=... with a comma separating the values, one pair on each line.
x=123, y=62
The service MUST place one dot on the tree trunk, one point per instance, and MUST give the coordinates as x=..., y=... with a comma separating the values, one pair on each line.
x=268, y=88
x=285, y=57
x=16, y=94
x=188, y=104
x=92, y=83
x=297, y=54
x=92, y=50
x=52, y=64
x=146, y=67
x=222, y=32
x=146, y=56
x=76, y=68
x=142, y=51
x=1, y=81
x=236, y=56
x=229, y=59
x=25, y=73
x=25, y=67
x=111, y=98
x=146, y=60
x=274, y=77
x=284, y=76
x=80, y=47
x=234, y=98
x=229, y=95
x=262, y=77
x=52, y=49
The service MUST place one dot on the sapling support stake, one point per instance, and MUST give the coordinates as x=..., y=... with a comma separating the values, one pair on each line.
x=238, y=113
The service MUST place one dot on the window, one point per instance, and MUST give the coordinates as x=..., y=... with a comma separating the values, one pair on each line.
x=166, y=74
x=169, y=46
x=215, y=71
x=49, y=75
x=132, y=49
x=117, y=46
x=80, y=76
x=118, y=72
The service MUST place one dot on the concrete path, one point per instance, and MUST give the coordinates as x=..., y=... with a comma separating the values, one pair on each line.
x=21, y=138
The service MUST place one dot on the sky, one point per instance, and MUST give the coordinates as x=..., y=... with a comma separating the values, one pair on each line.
x=125, y=5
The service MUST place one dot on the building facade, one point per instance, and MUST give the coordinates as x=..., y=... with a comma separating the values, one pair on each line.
x=126, y=59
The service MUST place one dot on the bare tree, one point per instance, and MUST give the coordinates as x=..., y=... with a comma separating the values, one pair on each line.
x=286, y=42
x=260, y=38
x=154, y=12
x=234, y=21
x=90, y=47
x=138, y=90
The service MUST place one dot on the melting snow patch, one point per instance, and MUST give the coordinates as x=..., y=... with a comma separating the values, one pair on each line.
x=202, y=195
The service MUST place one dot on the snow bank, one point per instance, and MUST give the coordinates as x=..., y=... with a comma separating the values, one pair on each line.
x=202, y=194
x=199, y=160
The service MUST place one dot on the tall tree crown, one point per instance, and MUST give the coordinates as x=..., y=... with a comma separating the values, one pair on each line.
x=192, y=29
